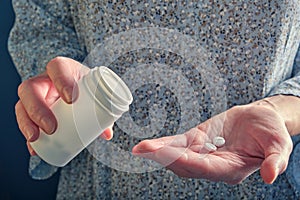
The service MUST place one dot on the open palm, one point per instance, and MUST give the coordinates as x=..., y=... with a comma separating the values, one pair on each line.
x=256, y=137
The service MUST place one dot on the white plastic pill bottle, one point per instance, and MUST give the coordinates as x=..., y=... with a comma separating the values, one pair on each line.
x=103, y=98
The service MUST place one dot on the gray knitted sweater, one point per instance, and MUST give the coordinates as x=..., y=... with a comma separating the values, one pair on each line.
x=184, y=61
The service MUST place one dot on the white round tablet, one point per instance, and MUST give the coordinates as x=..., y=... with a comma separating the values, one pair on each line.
x=210, y=147
x=218, y=141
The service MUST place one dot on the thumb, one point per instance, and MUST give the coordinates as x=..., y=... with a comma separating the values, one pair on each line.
x=64, y=73
x=272, y=166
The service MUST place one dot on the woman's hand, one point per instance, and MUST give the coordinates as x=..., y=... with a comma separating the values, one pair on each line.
x=40, y=92
x=256, y=137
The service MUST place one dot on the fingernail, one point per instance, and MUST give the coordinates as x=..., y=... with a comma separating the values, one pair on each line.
x=67, y=91
x=32, y=152
x=276, y=173
x=29, y=133
x=48, y=125
x=105, y=136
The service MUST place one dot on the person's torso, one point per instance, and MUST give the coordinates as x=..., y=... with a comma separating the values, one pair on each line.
x=184, y=62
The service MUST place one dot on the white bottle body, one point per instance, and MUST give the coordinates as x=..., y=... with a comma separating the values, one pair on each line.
x=79, y=124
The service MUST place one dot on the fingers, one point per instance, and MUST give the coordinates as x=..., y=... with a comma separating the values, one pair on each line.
x=172, y=150
x=26, y=125
x=33, y=111
x=30, y=149
x=182, y=161
x=163, y=150
x=147, y=146
x=164, y=155
x=190, y=165
x=107, y=134
x=39, y=93
x=213, y=126
x=65, y=73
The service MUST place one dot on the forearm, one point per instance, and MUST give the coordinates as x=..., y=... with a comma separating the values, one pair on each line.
x=288, y=107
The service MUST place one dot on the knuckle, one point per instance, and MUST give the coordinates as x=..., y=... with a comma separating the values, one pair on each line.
x=18, y=107
x=237, y=108
x=34, y=112
x=27, y=85
x=24, y=86
x=18, y=113
x=57, y=61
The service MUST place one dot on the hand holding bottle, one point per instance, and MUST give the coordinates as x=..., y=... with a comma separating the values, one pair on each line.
x=38, y=93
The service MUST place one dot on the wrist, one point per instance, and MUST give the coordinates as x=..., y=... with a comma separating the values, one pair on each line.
x=284, y=106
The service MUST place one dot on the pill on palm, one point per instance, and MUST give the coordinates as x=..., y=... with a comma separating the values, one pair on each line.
x=218, y=141
x=210, y=147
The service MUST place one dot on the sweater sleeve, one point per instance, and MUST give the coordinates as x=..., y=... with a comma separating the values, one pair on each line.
x=291, y=86
x=42, y=31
